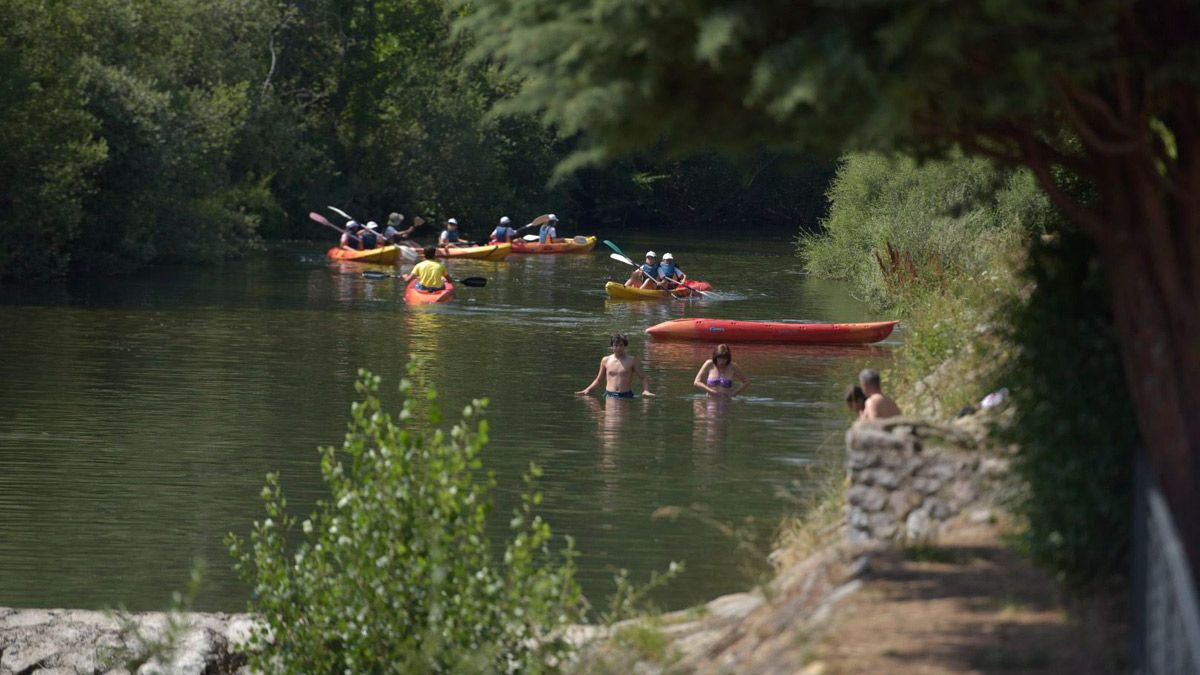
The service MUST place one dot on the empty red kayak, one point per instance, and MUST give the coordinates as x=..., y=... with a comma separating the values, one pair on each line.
x=415, y=297
x=721, y=330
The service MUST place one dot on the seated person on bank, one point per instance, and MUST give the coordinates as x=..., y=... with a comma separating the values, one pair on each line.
x=430, y=273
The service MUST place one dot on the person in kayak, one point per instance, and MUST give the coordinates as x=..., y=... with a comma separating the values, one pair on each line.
x=451, y=235
x=617, y=370
x=646, y=275
x=430, y=273
x=370, y=238
x=548, y=232
x=351, y=238
x=504, y=232
x=718, y=374
x=878, y=406
x=671, y=276
x=394, y=235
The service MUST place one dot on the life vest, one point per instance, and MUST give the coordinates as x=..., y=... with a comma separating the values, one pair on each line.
x=450, y=237
x=651, y=271
x=370, y=240
x=668, y=270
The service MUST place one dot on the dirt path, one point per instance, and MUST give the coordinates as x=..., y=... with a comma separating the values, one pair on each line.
x=970, y=604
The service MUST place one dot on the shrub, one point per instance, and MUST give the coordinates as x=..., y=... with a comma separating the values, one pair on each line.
x=1076, y=449
x=394, y=572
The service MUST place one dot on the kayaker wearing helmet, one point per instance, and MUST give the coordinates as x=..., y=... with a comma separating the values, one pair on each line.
x=430, y=273
x=504, y=232
x=548, y=232
x=350, y=238
x=451, y=236
x=617, y=370
x=394, y=235
x=646, y=275
x=370, y=238
x=671, y=275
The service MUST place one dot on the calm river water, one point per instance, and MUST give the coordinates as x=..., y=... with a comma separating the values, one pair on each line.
x=138, y=416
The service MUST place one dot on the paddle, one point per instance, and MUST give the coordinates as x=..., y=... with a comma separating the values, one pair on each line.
x=536, y=221
x=578, y=239
x=474, y=282
x=340, y=212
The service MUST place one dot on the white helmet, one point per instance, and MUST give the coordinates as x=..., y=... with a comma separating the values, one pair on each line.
x=668, y=256
x=553, y=217
x=372, y=225
x=452, y=222
x=504, y=220
x=651, y=254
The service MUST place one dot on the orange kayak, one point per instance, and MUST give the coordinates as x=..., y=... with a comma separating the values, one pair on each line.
x=385, y=255
x=415, y=297
x=564, y=246
x=721, y=330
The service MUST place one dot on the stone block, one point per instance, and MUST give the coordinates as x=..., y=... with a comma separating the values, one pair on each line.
x=926, y=486
x=883, y=526
x=963, y=492
x=874, y=499
x=861, y=459
x=882, y=477
x=903, y=502
x=942, y=470
x=919, y=526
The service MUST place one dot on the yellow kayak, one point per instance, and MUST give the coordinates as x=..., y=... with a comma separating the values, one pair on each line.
x=619, y=291
x=487, y=252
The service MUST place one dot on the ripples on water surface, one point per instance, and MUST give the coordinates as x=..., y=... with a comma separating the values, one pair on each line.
x=138, y=416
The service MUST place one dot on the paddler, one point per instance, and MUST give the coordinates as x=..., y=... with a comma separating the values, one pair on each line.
x=394, y=235
x=645, y=275
x=370, y=238
x=549, y=230
x=430, y=273
x=617, y=370
x=504, y=232
x=669, y=274
x=451, y=236
x=350, y=238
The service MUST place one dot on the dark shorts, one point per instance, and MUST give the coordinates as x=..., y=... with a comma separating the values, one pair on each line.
x=618, y=394
x=421, y=287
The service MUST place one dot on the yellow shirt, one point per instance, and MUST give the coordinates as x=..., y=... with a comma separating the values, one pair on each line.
x=429, y=273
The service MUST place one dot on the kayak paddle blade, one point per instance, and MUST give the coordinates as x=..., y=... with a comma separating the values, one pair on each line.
x=618, y=256
x=372, y=274
x=476, y=282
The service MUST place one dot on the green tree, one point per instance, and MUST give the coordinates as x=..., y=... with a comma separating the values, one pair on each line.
x=1103, y=93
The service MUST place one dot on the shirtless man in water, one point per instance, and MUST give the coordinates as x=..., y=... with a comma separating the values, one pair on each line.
x=619, y=369
x=878, y=406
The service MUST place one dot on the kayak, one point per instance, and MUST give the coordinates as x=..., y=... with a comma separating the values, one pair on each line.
x=564, y=246
x=385, y=255
x=486, y=252
x=414, y=297
x=619, y=291
x=721, y=330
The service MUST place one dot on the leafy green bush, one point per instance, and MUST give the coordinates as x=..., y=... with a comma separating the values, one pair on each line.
x=395, y=572
x=1076, y=449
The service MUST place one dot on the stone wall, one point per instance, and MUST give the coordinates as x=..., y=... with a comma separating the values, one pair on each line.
x=908, y=476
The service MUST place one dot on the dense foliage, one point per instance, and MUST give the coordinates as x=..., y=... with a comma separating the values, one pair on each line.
x=1076, y=449
x=996, y=291
x=395, y=572
x=141, y=130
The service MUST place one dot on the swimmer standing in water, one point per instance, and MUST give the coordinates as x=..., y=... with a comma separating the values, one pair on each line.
x=618, y=369
x=717, y=375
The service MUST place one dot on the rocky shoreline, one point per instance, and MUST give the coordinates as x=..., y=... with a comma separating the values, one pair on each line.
x=908, y=480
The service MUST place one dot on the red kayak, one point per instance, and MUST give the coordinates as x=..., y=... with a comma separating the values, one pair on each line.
x=721, y=330
x=415, y=297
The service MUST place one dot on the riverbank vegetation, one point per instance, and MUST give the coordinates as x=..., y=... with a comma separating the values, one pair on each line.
x=395, y=570
x=166, y=130
x=995, y=290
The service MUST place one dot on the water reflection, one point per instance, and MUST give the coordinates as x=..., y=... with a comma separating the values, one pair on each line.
x=710, y=423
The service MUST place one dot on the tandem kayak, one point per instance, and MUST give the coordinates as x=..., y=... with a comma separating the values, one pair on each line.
x=415, y=297
x=619, y=291
x=721, y=330
x=385, y=255
x=564, y=246
x=487, y=252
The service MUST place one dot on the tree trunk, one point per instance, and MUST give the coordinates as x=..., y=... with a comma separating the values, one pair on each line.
x=1144, y=249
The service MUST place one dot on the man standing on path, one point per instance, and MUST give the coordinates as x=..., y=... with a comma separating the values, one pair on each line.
x=878, y=405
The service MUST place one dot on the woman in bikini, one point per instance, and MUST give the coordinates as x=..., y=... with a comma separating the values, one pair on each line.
x=718, y=374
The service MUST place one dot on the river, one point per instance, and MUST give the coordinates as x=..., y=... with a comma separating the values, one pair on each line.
x=139, y=415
